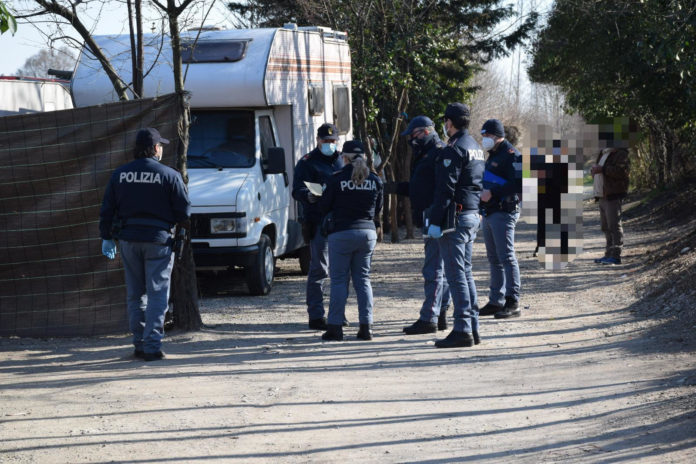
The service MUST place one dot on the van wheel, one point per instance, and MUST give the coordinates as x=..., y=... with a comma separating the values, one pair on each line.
x=260, y=274
x=305, y=256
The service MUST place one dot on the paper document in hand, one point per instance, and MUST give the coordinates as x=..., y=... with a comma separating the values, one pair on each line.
x=315, y=189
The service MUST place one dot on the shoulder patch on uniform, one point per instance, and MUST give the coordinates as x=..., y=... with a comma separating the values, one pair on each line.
x=511, y=150
x=306, y=157
x=446, y=162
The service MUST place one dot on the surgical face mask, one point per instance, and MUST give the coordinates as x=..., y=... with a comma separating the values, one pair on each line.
x=328, y=149
x=487, y=143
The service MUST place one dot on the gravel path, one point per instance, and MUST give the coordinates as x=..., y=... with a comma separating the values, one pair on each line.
x=581, y=377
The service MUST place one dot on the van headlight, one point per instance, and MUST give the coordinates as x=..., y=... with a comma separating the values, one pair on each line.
x=228, y=225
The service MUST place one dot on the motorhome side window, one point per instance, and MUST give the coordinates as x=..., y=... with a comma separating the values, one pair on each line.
x=267, y=139
x=315, y=99
x=221, y=139
x=341, y=108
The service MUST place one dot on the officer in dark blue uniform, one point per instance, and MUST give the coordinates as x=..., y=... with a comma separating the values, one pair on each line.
x=426, y=147
x=455, y=209
x=142, y=203
x=316, y=167
x=351, y=202
x=500, y=199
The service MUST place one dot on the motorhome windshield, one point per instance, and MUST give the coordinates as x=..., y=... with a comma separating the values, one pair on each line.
x=221, y=139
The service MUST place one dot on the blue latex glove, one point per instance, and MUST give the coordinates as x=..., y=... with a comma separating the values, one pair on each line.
x=434, y=231
x=109, y=248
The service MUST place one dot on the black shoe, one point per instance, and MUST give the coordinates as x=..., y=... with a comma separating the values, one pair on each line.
x=420, y=327
x=511, y=309
x=318, y=324
x=442, y=319
x=477, y=339
x=140, y=354
x=365, y=332
x=333, y=332
x=490, y=309
x=156, y=356
x=456, y=340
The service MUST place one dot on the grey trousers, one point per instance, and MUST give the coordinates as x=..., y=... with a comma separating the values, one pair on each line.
x=610, y=218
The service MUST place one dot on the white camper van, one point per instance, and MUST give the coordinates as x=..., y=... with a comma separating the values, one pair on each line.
x=23, y=95
x=258, y=97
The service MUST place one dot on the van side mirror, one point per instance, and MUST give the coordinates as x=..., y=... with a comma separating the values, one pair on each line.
x=276, y=161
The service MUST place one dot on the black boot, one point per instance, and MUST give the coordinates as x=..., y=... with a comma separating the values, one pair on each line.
x=442, y=319
x=365, y=332
x=318, y=323
x=420, y=327
x=333, y=332
x=511, y=309
x=477, y=339
x=490, y=309
x=456, y=340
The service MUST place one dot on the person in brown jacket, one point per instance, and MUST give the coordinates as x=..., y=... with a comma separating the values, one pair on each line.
x=610, y=187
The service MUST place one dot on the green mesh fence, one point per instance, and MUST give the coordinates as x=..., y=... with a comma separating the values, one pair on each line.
x=54, y=280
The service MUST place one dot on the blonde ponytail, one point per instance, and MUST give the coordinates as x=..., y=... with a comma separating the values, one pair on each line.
x=360, y=169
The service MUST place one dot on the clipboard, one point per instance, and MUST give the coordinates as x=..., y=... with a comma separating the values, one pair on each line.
x=314, y=188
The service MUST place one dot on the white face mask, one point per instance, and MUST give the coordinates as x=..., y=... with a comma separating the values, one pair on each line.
x=488, y=143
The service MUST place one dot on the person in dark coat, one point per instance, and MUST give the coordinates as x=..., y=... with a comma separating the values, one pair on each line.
x=316, y=167
x=426, y=147
x=454, y=220
x=142, y=203
x=500, y=200
x=351, y=203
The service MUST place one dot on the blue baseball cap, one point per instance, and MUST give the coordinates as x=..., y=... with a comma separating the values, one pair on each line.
x=149, y=137
x=493, y=127
x=418, y=121
x=354, y=147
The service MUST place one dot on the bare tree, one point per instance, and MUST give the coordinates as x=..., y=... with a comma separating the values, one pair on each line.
x=39, y=64
x=68, y=11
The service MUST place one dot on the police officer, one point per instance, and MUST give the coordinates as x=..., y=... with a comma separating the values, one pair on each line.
x=351, y=202
x=500, y=199
x=426, y=146
x=458, y=186
x=143, y=201
x=316, y=167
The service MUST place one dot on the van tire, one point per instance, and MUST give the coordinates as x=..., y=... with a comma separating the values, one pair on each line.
x=305, y=256
x=260, y=273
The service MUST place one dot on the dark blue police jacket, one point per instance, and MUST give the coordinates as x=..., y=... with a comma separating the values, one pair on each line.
x=147, y=198
x=422, y=184
x=458, y=177
x=421, y=187
x=313, y=167
x=503, y=177
x=353, y=206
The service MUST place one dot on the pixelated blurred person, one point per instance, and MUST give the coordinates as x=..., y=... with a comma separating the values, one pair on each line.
x=610, y=175
x=552, y=197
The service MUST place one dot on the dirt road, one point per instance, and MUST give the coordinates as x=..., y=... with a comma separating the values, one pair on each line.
x=581, y=377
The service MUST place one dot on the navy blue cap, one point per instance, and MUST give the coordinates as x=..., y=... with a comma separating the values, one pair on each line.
x=456, y=111
x=354, y=147
x=493, y=127
x=418, y=121
x=149, y=137
x=327, y=131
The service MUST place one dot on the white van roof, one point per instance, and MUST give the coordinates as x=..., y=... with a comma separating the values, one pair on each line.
x=238, y=82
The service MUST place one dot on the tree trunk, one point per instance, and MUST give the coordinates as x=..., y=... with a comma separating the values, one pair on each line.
x=185, y=287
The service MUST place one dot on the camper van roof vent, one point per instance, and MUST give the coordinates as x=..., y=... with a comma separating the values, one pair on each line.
x=315, y=28
x=290, y=26
x=214, y=51
x=204, y=28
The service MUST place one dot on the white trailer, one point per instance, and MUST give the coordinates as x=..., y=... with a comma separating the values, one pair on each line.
x=258, y=97
x=23, y=95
